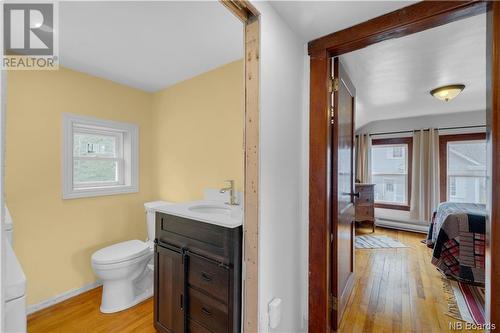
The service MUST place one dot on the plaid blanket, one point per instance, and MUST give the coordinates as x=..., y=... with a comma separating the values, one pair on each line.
x=457, y=234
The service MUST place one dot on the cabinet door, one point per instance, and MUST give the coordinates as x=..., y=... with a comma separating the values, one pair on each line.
x=169, y=290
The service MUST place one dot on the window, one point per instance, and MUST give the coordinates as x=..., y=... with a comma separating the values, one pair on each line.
x=463, y=168
x=99, y=157
x=391, y=172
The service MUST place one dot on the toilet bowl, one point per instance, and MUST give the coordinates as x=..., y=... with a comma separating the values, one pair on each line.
x=123, y=271
x=126, y=268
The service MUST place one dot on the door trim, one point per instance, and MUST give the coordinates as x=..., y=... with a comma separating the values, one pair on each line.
x=250, y=17
x=408, y=20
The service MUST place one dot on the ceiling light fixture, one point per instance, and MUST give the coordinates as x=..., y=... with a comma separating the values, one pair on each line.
x=447, y=93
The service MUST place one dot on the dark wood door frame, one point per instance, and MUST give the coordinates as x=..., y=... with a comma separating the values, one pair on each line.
x=415, y=18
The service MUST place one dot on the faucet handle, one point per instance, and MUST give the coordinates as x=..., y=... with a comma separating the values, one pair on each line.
x=230, y=181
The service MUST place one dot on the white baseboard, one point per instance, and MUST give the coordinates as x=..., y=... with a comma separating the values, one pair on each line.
x=61, y=297
x=402, y=226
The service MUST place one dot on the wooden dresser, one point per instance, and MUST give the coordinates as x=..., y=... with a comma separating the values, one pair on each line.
x=365, y=207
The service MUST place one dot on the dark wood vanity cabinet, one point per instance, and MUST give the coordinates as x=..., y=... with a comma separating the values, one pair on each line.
x=169, y=290
x=197, y=276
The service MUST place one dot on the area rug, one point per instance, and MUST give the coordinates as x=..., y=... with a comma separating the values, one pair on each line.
x=377, y=242
x=465, y=301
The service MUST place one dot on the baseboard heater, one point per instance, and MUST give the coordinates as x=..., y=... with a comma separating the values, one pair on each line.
x=422, y=228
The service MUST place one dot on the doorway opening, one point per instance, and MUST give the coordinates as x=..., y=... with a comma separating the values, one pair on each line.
x=395, y=170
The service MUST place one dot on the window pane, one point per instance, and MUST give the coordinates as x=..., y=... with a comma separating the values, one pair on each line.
x=390, y=173
x=467, y=171
x=94, y=171
x=94, y=145
x=389, y=159
x=390, y=188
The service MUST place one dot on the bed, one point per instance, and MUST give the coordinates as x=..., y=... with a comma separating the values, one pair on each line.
x=457, y=236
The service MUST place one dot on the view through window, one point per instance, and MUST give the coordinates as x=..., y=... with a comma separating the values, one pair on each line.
x=390, y=171
x=97, y=157
x=466, y=171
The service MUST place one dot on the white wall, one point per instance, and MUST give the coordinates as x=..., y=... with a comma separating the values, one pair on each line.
x=281, y=252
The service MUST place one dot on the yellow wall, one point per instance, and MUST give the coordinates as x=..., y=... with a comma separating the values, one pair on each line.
x=198, y=133
x=54, y=238
x=190, y=138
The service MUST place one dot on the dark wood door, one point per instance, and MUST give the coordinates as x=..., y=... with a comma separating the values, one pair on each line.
x=169, y=291
x=342, y=225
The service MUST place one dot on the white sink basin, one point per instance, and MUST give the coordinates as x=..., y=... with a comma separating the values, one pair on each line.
x=210, y=209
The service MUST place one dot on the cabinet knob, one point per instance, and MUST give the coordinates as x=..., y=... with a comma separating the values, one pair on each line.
x=206, y=311
x=206, y=277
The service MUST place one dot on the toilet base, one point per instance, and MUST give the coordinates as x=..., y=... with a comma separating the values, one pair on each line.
x=135, y=301
x=121, y=295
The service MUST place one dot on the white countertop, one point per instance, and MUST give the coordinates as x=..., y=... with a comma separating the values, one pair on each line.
x=231, y=219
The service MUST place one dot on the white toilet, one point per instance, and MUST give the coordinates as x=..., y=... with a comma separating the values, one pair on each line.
x=126, y=268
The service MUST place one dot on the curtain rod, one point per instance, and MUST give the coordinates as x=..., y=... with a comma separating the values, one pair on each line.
x=426, y=129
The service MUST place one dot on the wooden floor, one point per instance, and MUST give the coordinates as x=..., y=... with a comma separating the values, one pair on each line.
x=81, y=314
x=396, y=290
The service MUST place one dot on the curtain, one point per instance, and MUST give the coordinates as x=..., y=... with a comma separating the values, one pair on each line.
x=363, y=158
x=425, y=174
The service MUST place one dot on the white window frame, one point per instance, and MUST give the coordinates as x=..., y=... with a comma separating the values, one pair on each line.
x=127, y=136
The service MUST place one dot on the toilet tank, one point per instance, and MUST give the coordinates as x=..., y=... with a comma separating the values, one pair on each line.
x=150, y=209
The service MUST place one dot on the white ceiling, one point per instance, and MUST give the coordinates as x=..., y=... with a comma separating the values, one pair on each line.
x=314, y=19
x=148, y=45
x=393, y=78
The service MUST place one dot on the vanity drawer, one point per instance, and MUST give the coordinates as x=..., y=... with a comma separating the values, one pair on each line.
x=205, y=239
x=194, y=327
x=204, y=309
x=209, y=277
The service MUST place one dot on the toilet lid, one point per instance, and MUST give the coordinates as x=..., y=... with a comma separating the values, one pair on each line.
x=120, y=252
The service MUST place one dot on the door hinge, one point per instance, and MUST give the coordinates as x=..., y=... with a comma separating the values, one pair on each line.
x=333, y=85
x=333, y=303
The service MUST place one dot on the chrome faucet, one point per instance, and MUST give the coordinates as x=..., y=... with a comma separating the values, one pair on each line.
x=232, y=193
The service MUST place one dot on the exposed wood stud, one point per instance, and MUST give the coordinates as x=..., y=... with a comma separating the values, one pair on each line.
x=251, y=230
x=242, y=9
x=249, y=15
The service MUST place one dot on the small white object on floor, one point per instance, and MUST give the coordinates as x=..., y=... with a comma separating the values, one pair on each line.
x=377, y=242
x=274, y=309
